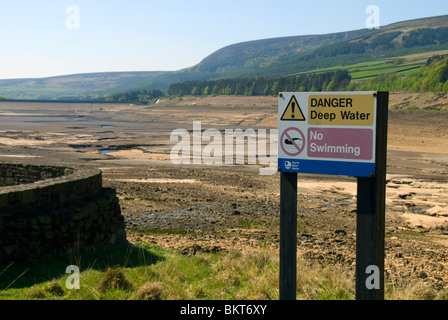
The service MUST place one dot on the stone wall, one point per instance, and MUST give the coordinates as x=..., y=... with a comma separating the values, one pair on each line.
x=68, y=210
x=15, y=174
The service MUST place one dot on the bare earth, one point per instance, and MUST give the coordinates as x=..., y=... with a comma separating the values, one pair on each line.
x=233, y=207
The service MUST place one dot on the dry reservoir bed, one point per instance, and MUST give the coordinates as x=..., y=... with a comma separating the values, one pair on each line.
x=231, y=206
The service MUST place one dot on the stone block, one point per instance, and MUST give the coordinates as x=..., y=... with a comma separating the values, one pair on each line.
x=10, y=249
x=87, y=224
x=3, y=200
x=46, y=219
x=34, y=235
x=48, y=235
x=77, y=215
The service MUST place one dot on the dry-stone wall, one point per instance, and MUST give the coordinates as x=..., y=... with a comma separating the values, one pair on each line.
x=48, y=210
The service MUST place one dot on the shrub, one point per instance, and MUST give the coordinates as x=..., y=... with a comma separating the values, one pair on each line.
x=149, y=291
x=114, y=279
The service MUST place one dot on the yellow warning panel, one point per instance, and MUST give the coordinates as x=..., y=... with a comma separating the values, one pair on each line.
x=342, y=110
x=293, y=111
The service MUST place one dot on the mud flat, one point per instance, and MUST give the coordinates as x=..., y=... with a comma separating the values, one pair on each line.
x=226, y=207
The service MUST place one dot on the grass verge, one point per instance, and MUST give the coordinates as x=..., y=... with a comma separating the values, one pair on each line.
x=146, y=271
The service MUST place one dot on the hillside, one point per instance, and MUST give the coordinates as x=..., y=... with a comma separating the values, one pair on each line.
x=280, y=56
x=255, y=54
x=284, y=56
x=73, y=87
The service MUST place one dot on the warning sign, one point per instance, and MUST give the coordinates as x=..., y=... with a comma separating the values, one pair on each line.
x=327, y=132
x=293, y=111
x=341, y=110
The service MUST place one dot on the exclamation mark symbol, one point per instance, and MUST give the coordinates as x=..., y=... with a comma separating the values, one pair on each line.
x=293, y=105
x=292, y=111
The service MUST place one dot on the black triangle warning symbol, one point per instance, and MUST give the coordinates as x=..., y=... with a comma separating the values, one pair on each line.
x=293, y=111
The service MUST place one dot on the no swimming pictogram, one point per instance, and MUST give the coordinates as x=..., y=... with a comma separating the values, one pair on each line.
x=292, y=141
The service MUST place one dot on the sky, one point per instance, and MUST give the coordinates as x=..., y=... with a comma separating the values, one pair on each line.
x=41, y=38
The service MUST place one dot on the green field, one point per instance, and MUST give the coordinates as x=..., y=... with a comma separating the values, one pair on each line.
x=386, y=67
x=364, y=70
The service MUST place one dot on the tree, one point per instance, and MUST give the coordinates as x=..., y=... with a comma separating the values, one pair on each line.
x=444, y=73
x=274, y=89
x=239, y=89
x=228, y=90
x=266, y=90
x=215, y=90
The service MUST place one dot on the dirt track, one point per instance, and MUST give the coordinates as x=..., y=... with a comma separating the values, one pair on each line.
x=203, y=207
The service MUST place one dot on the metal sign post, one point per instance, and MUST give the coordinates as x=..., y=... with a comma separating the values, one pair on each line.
x=370, y=221
x=338, y=133
x=288, y=235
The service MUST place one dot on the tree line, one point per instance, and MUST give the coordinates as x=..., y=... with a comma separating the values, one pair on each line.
x=426, y=36
x=260, y=86
x=432, y=77
x=137, y=96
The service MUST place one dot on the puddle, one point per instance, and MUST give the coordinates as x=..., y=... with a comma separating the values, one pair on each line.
x=107, y=126
x=420, y=210
x=134, y=132
x=340, y=203
x=107, y=151
x=37, y=122
x=346, y=203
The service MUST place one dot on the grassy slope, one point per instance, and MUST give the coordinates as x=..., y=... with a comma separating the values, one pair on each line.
x=265, y=56
x=144, y=271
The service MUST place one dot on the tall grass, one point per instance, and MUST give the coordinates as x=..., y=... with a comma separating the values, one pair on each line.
x=145, y=271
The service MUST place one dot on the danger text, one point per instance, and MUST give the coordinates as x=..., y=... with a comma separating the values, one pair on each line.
x=332, y=102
